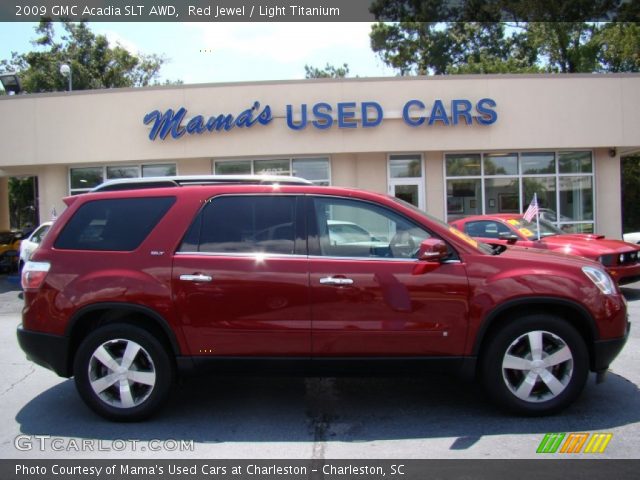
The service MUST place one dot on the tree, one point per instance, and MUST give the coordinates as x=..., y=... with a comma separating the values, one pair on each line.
x=94, y=63
x=415, y=44
x=329, y=71
x=620, y=50
x=564, y=47
x=462, y=47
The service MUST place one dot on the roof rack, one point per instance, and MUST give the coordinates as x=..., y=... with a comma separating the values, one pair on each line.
x=181, y=181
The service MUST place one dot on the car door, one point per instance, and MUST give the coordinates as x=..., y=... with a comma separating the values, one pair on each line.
x=372, y=299
x=240, y=278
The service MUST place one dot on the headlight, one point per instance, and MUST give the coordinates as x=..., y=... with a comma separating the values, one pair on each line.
x=607, y=260
x=601, y=279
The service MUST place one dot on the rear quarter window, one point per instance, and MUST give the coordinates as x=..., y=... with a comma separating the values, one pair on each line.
x=119, y=224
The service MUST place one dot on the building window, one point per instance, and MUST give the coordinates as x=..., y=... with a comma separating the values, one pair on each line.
x=488, y=183
x=160, y=170
x=83, y=179
x=314, y=169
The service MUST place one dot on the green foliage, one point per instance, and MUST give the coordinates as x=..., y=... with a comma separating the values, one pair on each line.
x=22, y=212
x=94, y=63
x=470, y=47
x=329, y=71
x=620, y=50
x=630, y=173
x=535, y=41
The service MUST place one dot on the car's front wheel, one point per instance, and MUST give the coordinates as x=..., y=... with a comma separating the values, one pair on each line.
x=123, y=372
x=536, y=365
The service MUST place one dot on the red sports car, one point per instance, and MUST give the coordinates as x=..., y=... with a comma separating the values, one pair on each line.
x=620, y=258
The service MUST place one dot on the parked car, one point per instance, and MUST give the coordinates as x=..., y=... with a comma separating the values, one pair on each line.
x=9, y=246
x=138, y=283
x=632, y=237
x=28, y=245
x=621, y=259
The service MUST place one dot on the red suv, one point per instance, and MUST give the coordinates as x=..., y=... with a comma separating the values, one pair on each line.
x=141, y=281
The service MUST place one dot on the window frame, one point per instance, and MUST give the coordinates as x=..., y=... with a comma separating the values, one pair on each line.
x=520, y=177
x=289, y=158
x=104, y=167
x=420, y=181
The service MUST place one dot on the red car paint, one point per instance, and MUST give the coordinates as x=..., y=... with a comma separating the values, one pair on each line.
x=595, y=247
x=281, y=306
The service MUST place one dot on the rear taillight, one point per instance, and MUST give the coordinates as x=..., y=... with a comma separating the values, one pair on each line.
x=33, y=274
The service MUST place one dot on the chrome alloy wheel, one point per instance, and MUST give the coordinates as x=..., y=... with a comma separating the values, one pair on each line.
x=122, y=373
x=537, y=366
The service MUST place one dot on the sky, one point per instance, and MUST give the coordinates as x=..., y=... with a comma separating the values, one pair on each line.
x=230, y=51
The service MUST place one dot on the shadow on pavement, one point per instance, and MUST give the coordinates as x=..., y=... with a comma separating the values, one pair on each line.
x=211, y=410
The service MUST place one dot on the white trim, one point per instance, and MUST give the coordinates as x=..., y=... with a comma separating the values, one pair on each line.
x=521, y=176
x=410, y=181
x=289, y=158
x=104, y=167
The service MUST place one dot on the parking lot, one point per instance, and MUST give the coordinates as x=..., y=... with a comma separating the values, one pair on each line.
x=432, y=417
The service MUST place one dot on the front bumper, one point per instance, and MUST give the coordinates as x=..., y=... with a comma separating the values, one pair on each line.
x=625, y=274
x=46, y=350
x=605, y=351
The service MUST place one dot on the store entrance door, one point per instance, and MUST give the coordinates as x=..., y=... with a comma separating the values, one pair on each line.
x=406, y=179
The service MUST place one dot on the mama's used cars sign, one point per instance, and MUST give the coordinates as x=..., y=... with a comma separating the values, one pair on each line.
x=322, y=116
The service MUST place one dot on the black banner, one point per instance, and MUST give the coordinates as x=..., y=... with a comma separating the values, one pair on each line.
x=325, y=469
x=320, y=10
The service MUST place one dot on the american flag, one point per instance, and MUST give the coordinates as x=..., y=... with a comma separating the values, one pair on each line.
x=532, y=211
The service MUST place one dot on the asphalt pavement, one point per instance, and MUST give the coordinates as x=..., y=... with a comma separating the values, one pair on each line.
x=297, y=418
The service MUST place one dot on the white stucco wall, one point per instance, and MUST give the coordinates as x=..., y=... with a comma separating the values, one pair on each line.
x=46, y=134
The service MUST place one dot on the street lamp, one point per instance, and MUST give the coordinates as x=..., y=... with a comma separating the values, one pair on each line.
x=65, y=71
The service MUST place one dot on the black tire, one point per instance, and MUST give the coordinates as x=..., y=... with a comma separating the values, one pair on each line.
x=139, y=387
x=542, y=394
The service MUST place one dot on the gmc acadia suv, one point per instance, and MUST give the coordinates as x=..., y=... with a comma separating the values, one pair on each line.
x=140, y=281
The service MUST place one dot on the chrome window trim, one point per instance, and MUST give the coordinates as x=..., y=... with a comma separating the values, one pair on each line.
x=309, y=257
x=243, y=254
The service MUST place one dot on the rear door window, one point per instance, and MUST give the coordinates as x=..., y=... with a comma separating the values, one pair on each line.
x=119, y=224
x=245, y=224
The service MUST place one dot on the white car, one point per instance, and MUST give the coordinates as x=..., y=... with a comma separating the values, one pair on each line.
x=633, y=237
x=28, y=245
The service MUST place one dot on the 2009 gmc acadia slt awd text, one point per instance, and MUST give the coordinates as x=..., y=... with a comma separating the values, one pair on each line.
x=137, y=283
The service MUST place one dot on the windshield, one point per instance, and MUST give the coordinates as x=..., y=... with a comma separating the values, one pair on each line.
x=530, y=229
x=474, y=243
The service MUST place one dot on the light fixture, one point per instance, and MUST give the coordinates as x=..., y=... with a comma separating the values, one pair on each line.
x=65, y=71
x=613, y=152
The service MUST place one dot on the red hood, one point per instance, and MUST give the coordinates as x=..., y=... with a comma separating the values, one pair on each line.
x=546, y=256
x=587, y=245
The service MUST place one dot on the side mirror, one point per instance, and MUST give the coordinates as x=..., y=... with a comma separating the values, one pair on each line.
x=509, y=237
x=433, y=250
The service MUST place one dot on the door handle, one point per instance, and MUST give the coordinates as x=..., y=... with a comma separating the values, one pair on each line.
x=336, y=281
x=195, y=278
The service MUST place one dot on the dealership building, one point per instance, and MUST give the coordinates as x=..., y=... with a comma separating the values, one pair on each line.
x=451, y=145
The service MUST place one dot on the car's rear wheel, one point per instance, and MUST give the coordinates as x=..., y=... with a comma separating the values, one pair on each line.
x=123, y=372
x=536, y=365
